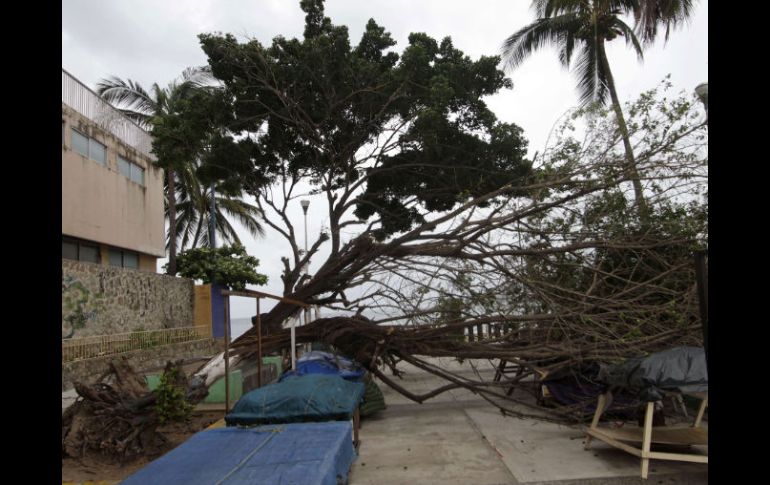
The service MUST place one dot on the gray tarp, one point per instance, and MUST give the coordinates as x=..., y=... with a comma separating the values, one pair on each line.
x=681, y=369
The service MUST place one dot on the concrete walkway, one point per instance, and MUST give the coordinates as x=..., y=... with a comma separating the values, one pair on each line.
x=458, y=438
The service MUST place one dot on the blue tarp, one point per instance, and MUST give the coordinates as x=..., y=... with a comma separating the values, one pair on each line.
x=289, y=454
x=312, y=397
x=320, y=362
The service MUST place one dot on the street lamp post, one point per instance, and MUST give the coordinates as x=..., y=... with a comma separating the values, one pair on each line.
x=305, y=204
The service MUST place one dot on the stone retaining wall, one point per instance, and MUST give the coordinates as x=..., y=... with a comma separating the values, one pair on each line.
x=142, y=360
x=104, y=300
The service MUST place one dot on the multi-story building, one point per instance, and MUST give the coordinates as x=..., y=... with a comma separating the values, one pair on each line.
x=112, y=193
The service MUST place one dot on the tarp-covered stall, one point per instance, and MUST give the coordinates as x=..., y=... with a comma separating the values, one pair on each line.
x=289, y=454
x=320, y=362
x=310, y=397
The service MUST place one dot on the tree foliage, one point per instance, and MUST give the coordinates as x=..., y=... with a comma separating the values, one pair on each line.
x=171, y=396
x=319, y=108
x=229, y=266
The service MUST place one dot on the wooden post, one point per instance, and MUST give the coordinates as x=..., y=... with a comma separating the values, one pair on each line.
x=293, y=350
x=702, y=287
x=356, y=425
x=597, y=415
x=647, y=441
x=259, y=346
x=227, y=354
x=701, y=410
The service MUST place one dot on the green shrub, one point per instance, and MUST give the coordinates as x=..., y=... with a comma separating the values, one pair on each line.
x=171, y=404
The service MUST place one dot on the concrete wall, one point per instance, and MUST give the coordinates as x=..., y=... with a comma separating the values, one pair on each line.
x=102, y=205
x=142, y=360
x=101, y=300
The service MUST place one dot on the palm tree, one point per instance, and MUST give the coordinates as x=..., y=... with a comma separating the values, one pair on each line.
x=651, y=14
x=579, y=29
x=194, y=212
x=142, y=106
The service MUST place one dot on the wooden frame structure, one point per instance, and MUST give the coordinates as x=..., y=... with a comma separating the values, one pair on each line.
x=258, y=295
x=647, y=435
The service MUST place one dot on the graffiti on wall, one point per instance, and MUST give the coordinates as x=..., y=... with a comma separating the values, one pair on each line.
x=79, y=305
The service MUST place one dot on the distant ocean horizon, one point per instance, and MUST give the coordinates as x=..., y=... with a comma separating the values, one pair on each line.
x=239, y=326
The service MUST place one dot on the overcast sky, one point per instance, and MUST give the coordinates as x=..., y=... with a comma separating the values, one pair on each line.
x=154, y=40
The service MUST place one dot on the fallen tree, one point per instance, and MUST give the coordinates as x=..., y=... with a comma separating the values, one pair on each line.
x=450, y=227
x=564, y=276
x=117, y=416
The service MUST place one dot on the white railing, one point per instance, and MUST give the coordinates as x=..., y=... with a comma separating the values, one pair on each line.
x=103, y=345
x=82, y=99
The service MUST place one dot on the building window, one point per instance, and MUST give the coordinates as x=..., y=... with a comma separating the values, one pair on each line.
x=124, y=259
x=79, y=251
x=134, y=172
x=88, y=147
x=97, y=151
x=137, y=174
x=79, y=143
x=124, y=167
x=130, y=260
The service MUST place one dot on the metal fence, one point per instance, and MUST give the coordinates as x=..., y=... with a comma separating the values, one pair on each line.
x=82, y=99
x=104, y=345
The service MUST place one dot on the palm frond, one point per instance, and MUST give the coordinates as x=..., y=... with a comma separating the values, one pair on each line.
x=199, y=76
x=540, y=33
x=668, y=14
x=592, y=79
x=549, y=8
x=226, y=231
x=126, y=95
x=140, y=119
x=243, y=212
x=630, y=36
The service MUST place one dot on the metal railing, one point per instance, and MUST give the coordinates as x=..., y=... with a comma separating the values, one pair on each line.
x=104, y=345
x=82, y=99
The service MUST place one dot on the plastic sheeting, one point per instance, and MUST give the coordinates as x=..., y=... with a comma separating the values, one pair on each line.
x=320, y=362
x=373, y=401
x=312, y=397
x=291, y=454
x=681, y=369
x=579, y=387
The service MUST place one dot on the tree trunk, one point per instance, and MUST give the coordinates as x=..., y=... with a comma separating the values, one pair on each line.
x=632, y=172
x=171, y=198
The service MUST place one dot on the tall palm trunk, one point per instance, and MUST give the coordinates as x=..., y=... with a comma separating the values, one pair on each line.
x=171, y=222
x=633, y=173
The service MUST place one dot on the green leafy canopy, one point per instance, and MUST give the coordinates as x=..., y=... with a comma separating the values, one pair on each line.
x=318, y=108
x=229, y=266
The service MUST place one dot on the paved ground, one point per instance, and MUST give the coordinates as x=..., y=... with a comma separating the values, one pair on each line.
x=457, y=439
